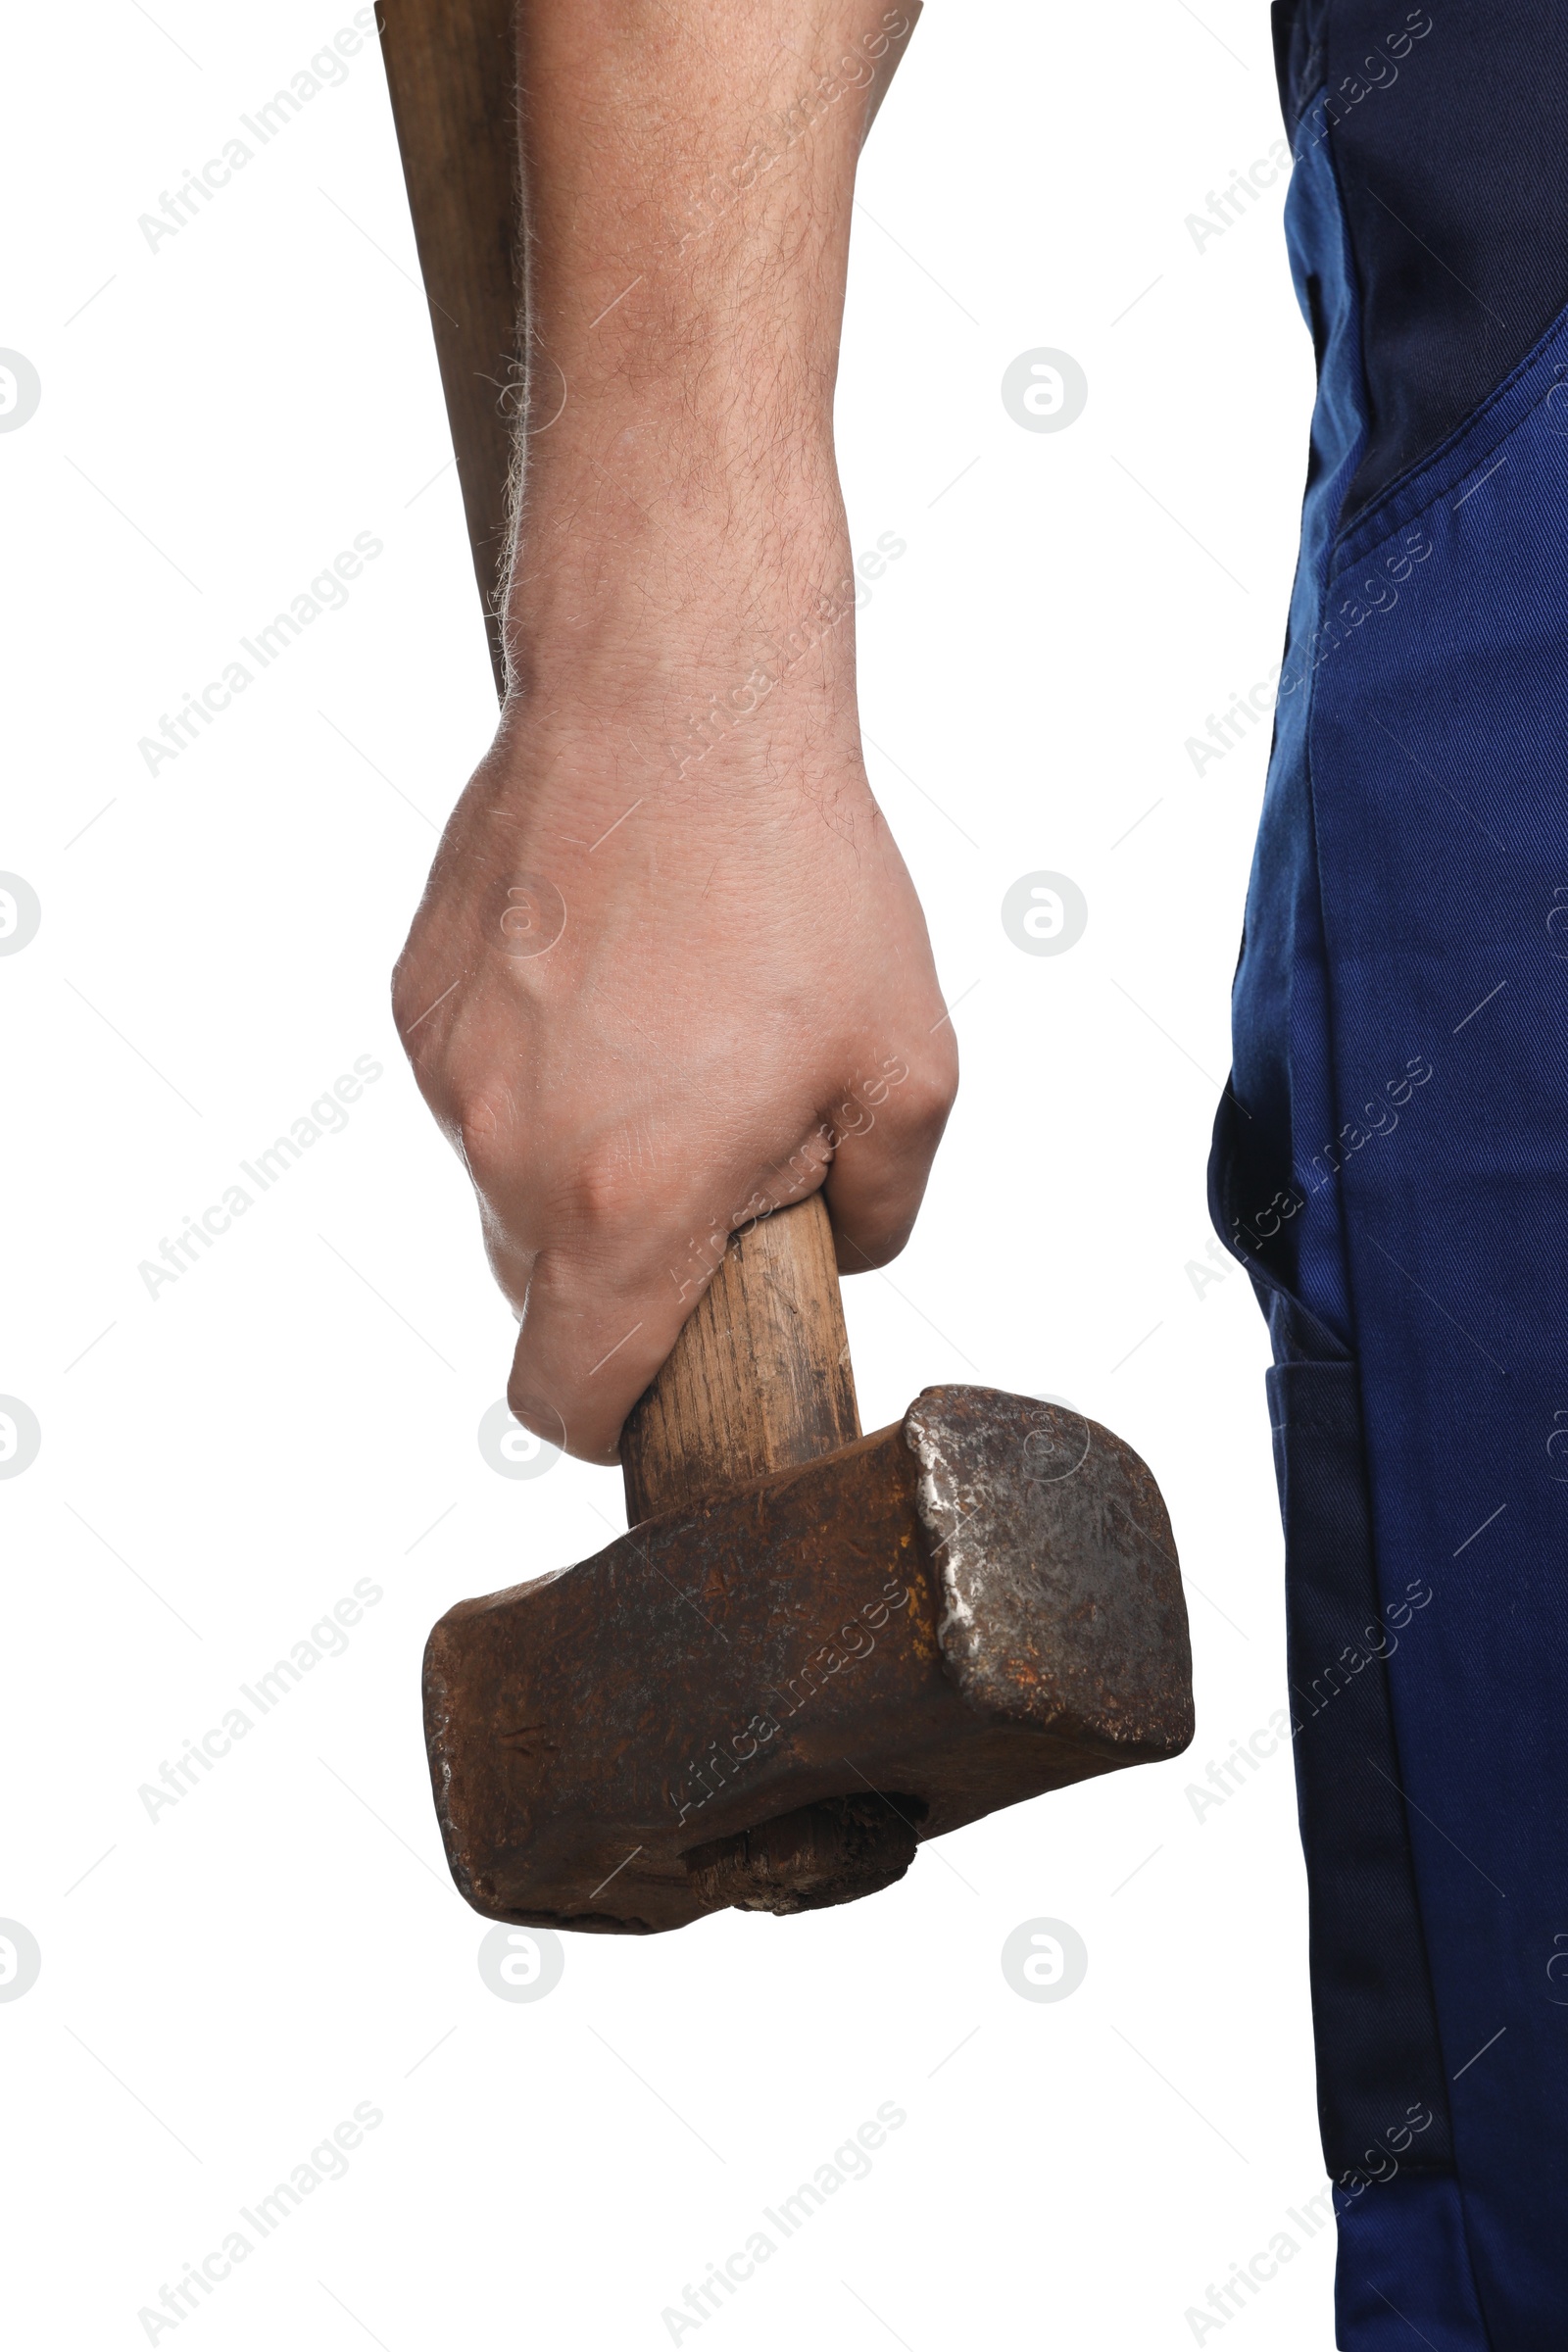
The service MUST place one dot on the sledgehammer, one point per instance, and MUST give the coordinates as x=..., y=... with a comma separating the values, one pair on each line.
x=812, y=1649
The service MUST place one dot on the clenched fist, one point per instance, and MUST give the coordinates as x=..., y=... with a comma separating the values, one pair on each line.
x=669, y=973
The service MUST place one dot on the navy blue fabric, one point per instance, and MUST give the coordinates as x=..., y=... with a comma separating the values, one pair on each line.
x=1392, y=1161
x=1372, y=2002
x=1450, y=131
x=1403, y=2275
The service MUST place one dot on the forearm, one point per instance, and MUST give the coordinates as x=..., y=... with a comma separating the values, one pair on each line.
x=689, y=172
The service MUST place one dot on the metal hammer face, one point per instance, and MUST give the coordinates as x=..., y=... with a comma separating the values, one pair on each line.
x=767, y=1699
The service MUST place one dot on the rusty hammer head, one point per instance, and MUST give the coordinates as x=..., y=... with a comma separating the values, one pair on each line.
x=767, y=1699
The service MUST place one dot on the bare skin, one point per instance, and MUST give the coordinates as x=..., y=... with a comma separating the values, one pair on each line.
x=670, y=970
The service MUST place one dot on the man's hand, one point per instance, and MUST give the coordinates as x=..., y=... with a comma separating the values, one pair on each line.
x=669, y=971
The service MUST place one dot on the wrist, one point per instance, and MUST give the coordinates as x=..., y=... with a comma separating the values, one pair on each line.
x=671, y=714
x=679, y=450
x=638, y=534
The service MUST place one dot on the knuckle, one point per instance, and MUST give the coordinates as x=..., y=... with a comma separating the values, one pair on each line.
x=413, y=996
x=485, y=1117
x=605, y=1192
x=405, y=1011
x=923, y=1105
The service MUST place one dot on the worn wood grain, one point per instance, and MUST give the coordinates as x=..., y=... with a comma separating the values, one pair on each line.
x=759, y=1378
x=451, y=67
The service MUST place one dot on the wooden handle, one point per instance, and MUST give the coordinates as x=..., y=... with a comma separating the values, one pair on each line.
x=759, y=1379
x=452, y=71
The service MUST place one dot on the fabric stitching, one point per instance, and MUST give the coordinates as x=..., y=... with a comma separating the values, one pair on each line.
x=1445, y=453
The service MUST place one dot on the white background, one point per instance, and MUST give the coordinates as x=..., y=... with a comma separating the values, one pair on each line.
x=219, y=1464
